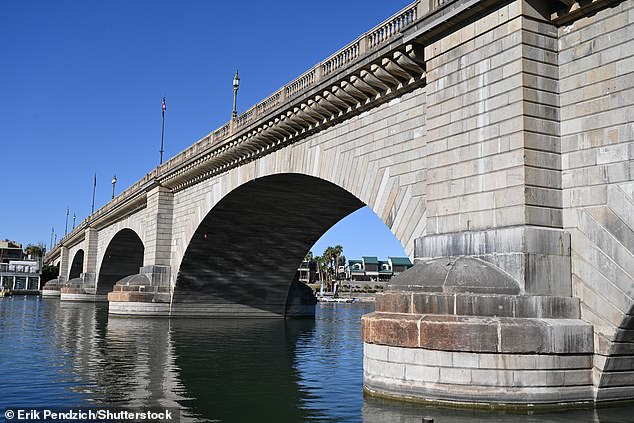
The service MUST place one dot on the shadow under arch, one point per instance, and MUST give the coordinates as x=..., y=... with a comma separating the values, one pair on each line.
x=123, y=257
x=617, y=379
x=242, y=258
x=77, y=267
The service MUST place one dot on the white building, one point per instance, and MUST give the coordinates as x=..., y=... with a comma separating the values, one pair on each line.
x=20, y=275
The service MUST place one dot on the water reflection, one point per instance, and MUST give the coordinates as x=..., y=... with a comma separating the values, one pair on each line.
x=240, y=370
x=74, y=354
x=380, y=411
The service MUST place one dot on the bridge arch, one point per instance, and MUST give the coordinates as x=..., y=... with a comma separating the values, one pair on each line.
x=267, y=223
x=123, y=257
x=77, y=265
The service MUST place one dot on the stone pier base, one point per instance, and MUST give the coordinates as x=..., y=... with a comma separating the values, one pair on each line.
x=461, y=333
x=135, y=295
x=51, y=293
x=138, y=308
x=52, y=288
x=81, y=296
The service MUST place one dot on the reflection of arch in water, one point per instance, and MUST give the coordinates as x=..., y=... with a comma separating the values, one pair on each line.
x=241, y=370
x=123, y=257
x=140, y=364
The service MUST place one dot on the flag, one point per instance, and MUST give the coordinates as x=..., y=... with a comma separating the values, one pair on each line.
x=163, y=106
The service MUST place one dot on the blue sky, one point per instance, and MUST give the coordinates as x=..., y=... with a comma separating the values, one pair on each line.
x=81, y=84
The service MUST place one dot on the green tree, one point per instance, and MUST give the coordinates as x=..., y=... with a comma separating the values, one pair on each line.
x=337, y=251
x=321, y=268
x=49, y=272
x=328, y=259
x=35, y=251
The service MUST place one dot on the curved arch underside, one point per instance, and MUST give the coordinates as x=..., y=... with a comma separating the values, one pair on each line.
x=123, y=257
x=618, y=371
x=77, y=267
x=247, y=249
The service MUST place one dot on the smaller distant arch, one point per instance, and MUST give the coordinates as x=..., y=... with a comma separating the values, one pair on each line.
x=123, y=257
x=77, y=266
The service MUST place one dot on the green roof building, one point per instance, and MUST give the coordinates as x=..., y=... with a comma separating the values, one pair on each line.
x=371, y=269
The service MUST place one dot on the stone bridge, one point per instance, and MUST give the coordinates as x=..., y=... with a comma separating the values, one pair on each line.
x=494, y=138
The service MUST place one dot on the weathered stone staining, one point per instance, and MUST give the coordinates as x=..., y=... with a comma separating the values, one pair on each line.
x=52, y=288
x=464, y=310
x=495, y=139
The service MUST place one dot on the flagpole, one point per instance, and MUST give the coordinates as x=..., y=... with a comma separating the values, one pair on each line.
x=163, y=107
x=94, y=188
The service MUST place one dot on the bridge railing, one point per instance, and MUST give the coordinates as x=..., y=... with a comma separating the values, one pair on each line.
x=364, y=45
x=370, y=41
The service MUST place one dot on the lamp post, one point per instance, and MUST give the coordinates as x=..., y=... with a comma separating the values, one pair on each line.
x=74, y=217
x=114, y=181
x=236, y=84
x=66, y=227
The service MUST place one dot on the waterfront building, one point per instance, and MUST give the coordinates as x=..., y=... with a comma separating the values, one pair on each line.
x=372, y=269
x=10, y=250
x=20, y=275
x=308, y=271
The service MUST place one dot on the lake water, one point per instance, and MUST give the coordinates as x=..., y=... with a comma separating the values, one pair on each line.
x=61, y=354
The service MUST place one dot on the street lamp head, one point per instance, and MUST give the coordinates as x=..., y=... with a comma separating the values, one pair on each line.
x=114, y=179
x=236, y=81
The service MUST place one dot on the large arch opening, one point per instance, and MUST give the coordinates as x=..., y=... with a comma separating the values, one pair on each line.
x=246, y=251
x=123, y=257
x=77, y=266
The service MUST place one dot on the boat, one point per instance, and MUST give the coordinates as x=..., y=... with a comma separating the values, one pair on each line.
x=327, y=299
x=4, y=292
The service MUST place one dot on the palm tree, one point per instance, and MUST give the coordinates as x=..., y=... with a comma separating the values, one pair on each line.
x=328, y=256
x=337, y=252
x=321, y=266
x=35, y=251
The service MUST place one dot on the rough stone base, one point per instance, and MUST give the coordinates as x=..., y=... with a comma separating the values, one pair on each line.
x=468, y=378
x=132, y=308
x=51, y=293
x=83, y=297
x=478, y=349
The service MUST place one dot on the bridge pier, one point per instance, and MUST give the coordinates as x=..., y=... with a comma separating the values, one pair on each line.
x=452, y=330
x=52, y=288
x=459, y=330
x=145, y=294
x=82, y=289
